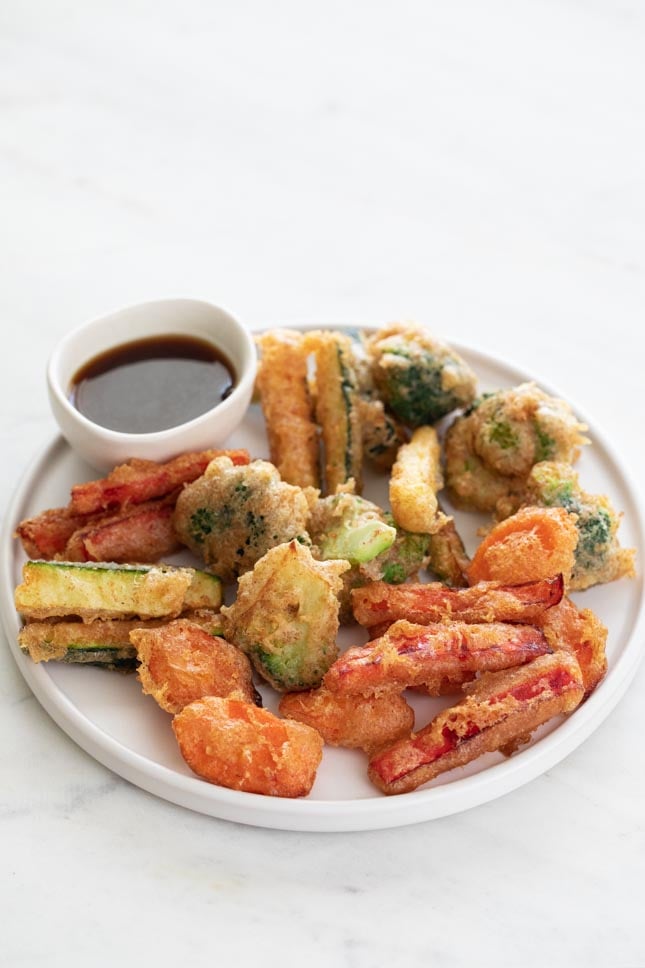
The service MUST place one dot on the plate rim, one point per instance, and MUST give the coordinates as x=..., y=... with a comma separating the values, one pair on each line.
x=337, y=815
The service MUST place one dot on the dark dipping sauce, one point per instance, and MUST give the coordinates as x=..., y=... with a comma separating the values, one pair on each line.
x=152, y=384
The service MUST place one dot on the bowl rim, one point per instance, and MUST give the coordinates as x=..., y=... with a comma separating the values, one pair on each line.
x=245, y=368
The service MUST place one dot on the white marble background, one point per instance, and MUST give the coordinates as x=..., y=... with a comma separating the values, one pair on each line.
x=479, y=166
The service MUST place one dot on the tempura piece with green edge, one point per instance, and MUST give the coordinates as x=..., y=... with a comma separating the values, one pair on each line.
x=491, y=448
x=232, y=515
x=420, y=378
x=346, y=526
x=285, y=617
x=599, y=557
x=349, y=527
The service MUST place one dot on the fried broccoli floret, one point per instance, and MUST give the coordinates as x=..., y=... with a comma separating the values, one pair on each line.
x=232, y=515
x=381, y=431
x=285, y=617
x=419, y=378
x=491, y=448
x=598, y=555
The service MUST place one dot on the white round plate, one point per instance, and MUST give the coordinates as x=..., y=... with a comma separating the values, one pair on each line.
x=109, y=717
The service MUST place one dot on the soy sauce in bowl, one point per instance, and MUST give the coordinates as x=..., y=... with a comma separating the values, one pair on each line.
x=152, y=384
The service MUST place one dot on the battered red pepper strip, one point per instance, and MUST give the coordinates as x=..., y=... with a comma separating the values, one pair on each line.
x=379, y=602
x=144, y=535
x=141, y=480
x=412, y=655
x=46, y=535
x=502, y=709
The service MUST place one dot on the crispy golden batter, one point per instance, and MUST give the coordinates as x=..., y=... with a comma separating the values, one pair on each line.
x=599, y=557
x=181, y=662
x=491, y=449
x=356, y=722
x=283, y=387
x=428, y=655
x=420, y=378
x=447, y=558
x=416, y=478
x=433, y=602
x=580, y=632
x=285, y=616
x=338, y=408
x=103, y=640
x=234, y=744
x=233, y=515
x=500, y=712
x=138, y=481
x=382, y=433
x=535, y=543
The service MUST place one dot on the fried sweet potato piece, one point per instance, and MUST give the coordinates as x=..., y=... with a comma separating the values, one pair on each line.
x=580, y=632
x=483, y=602
x=356, y=722
x=142, y=480
x=234, y=744
x=501, y=711
x=286, y=403
x=410, y=655
x=181, y=662
x=535, y=543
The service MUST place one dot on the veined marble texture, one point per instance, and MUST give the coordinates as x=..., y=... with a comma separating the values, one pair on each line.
x=478, y=167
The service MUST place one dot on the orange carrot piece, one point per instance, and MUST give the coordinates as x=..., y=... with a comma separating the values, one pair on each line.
x=533, y=544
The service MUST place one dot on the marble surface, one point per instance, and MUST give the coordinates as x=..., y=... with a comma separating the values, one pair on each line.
x=478, y=167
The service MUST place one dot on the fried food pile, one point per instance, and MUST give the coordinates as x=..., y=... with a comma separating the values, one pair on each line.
x=304, y=551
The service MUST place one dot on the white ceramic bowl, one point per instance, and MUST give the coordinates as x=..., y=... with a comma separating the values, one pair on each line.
x=104, y=448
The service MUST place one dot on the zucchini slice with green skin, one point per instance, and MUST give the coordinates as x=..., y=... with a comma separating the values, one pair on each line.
x=100, y=590
x=338, y=409
x=358, y=544
x=105, y=642
x=204, y=591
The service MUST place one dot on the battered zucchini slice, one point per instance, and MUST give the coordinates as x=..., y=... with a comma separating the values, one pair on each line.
x=285, y=616
x=101, y=590
x=204, y=591
x=105, y=643
x=338, y=408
